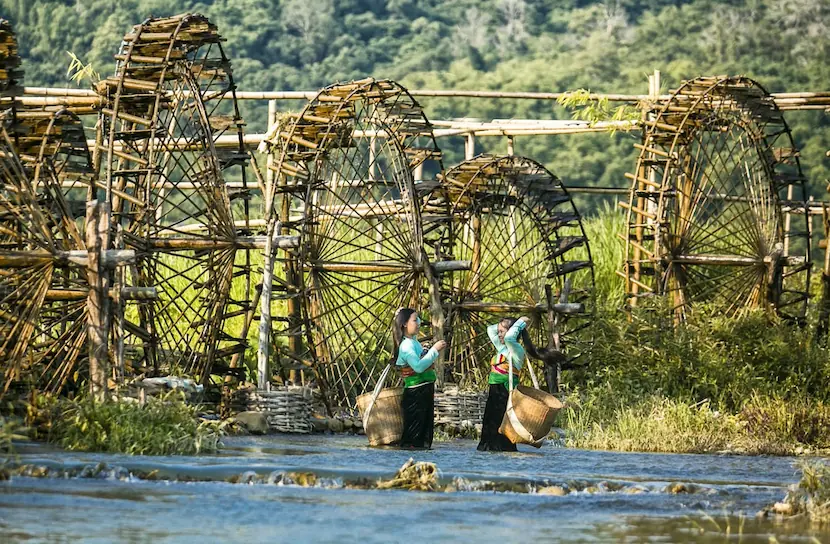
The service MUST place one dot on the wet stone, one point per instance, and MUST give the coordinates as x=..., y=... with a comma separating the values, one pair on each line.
x=303, y=479
x=319, y=424
x=247, y=477
x=254, y=422
x=634, y=490
x=678, y=488
x=783, y=508
x=335, y=425
x=555, y=490
x=96, y=471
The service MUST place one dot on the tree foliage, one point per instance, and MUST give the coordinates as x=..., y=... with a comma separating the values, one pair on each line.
x=511, y=45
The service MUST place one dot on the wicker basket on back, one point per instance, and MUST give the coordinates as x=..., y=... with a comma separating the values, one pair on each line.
x=534, y=410
x=384, y=425
x=530, y=412
x=382, y=412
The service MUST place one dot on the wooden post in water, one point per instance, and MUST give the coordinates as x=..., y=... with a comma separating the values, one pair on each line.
x=274, y=228
x=97, y=234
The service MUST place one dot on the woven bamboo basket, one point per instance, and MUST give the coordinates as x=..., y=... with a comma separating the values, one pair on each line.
x=385, y=424
x=287, y=409
x=454, y=407
x=536, y=410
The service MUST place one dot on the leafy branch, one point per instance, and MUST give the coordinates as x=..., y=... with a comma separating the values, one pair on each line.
x=78, y=71
x=597, y=110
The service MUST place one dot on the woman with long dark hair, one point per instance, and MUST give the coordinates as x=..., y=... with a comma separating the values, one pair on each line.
x=418, y=378
x=505, y=338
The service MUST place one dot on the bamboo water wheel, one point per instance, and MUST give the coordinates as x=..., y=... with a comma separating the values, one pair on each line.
x=519, y=228
x=171, y=98
x=44, y=282
x=706, y=220
x=345, y=178
x=52, y=145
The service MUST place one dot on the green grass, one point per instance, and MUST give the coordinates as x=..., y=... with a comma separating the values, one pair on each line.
x=766, y=425
x=608, y=253
x=162, y=426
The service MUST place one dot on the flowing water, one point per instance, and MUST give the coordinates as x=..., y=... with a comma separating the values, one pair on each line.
x=493, y=497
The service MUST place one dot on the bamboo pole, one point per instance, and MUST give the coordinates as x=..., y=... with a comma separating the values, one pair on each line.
x=97, y=234
x=565, y=308
x=475, y=264
x=241, y=242
x=269, y=160
x=469, y=146
x=788, y=220
x=784, y=97
x=552, y=374
x=265, y=305
x=109, y=258
x=717, y=260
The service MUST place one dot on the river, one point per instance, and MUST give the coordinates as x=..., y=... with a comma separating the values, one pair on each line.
x=611, y=496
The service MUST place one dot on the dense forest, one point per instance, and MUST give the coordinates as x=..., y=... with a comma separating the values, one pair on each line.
x=528, y=45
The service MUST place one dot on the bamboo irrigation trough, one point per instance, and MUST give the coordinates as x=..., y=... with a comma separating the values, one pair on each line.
x=155, y=246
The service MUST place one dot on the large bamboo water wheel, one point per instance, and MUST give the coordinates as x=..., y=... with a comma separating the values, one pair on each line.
x=44, y=281
x=28, y=257
x=706, y=224
x=519, y=228
x=345, y=178
x=171, y=98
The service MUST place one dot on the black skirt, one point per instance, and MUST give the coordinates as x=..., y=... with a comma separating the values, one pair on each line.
x=491, y=438
x=418, y=414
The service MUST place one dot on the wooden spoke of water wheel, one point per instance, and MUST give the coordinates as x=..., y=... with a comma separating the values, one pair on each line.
x=346, y=163
x=705, y=219
x=518, y=226
x=171, y=98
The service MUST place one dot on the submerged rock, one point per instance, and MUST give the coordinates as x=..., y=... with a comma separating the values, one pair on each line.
x=254, y=422
x=678, y=487
x=634, y=490
x=247, y=477
x=413, y=476
x=555, y=490
x=335, y=425
x=303, y=479
x=783, y=508
x=98, y=471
